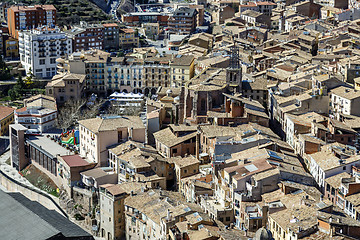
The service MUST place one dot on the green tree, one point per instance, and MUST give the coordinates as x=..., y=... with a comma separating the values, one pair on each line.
x=4, y=70
x=29, y=79
x=13, y=94
x=20, y=82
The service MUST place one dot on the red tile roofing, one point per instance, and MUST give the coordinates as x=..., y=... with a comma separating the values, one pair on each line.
x=74, y=160
x=110, y=25
x=265, y=3
x=5, y=111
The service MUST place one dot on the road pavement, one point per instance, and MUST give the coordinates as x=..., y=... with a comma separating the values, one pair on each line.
x=159, y=48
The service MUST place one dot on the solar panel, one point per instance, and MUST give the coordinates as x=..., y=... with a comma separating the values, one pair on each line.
x=274, y=155
x=187, y=209
x=251, y=168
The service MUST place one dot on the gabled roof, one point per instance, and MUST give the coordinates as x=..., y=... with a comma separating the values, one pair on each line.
x=168, y=138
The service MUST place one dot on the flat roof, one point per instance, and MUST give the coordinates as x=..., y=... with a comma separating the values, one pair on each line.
x=48, y=145
x=75, y=160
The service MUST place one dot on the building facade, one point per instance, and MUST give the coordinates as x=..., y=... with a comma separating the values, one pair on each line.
x=28, y=17
x=97, y=134
x=11, y=46
x=38, y=118
x=6, y=118
x=39, y=48
x=183, y=21
x=66, y=86
x=111, y=36
x=128, y=38
x=86, y=36
x=106, y=74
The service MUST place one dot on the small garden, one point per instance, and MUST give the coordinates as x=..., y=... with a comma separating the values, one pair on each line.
x=40, y=180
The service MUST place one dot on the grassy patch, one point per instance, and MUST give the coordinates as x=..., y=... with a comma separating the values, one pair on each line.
x=5, y=99
x=8, y=161
x=40, y=180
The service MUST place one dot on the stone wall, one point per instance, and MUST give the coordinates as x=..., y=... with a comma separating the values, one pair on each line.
x=44, y=199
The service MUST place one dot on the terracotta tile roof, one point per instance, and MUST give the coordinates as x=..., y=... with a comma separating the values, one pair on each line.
x=5, y=111
x=110, y=25
x=127, y=30
x=32, y=8
x=74, y=160
x=266, y=3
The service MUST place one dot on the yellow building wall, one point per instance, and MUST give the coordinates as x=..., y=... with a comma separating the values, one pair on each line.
x=5, y=122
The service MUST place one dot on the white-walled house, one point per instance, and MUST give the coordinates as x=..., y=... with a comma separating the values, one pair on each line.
x=325, y=164
x=97, y=134
x=37, y=118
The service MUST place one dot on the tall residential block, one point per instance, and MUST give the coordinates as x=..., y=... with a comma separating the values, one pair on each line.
x=29, y=17
x=39, y=48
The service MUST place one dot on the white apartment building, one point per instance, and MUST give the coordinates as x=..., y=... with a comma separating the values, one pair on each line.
x=37, y=118
x=39, y=48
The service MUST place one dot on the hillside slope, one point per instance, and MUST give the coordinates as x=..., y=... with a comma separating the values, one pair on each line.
x=71, y=11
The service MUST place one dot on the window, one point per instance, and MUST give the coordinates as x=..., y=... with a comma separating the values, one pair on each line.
x=42, y=61
x=227, y=219
x=202, y=104
x=52, y=60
